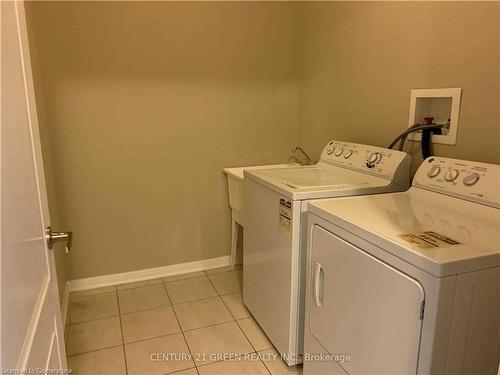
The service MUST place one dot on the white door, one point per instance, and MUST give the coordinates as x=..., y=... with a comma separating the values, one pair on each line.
x=31, y=326
x=363, y=308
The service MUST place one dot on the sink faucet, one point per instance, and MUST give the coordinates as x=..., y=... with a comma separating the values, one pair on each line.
x=308, y=160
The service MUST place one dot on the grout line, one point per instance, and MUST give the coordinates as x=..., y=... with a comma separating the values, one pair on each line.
x=264, y=363
x=213, y=286
x=260, y=359
x=179, y=371
x=227, y=307
x=121, y=330
x=180, y=327
x=92, y=320
x=221, y=360
x=190, y=278
x=226, y=294
x=95, y=350
x=210, y=326
x=152, y=338
x=236, y=320
x=241, y=330
x=195, y=300
x=244, y=334
x=140, y=311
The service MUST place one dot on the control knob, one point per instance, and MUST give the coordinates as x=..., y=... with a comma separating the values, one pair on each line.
x=347, y=154
x=338, y=151
x=434, y=171
x=330, y=149
x=471, y=179
x=451, y=174
x=374, y=158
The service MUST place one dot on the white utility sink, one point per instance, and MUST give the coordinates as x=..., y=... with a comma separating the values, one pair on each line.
x=235, y=189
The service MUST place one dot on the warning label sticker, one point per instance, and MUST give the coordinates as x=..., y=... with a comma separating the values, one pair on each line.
x=285, y=216
x=429, y=239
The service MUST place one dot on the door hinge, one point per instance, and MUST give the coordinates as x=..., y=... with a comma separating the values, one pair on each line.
x=422, y=309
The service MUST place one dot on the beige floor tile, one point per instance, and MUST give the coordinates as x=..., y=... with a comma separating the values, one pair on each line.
x=90, y=292
x=143, y=298
x=190, y=290
x=234, y=303
x=207, y=343
x=92, y=307
x=251, y=367
x=170, y=354
x=93, y=335
x=227, y=282
x=202, y=313
x=254, y=333
x=276, y=366
x=148, y=324
x=213, y=271
x=138, y=284
x=184, y=276
x=102, y=362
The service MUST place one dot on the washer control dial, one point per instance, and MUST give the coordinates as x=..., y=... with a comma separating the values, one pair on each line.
x=329, y=149
x=347, y=154
x=471, y=179
x=434, y=171
x=451, y=174
x=374, y=158
x=338, y=151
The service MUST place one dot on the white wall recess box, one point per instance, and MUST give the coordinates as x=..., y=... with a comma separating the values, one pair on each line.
x=443, y=105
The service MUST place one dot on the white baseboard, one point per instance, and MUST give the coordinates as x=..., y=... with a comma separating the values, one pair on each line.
x=146, y=274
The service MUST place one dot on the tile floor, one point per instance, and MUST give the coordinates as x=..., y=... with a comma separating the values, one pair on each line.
x=183, y=324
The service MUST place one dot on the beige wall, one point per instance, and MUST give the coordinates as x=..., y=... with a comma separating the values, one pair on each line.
x=142, y=105
x=360, y=61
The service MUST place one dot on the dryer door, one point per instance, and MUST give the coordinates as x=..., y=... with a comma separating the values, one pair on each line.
x=363, y=308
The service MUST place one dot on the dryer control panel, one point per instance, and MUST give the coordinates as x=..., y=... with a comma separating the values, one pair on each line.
x=474, y=181
x=381, y=162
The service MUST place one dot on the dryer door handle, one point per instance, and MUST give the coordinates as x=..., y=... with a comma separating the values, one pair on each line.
x=318, y=285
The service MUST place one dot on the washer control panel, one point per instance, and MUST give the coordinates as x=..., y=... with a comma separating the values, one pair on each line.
x=479, y=182
x=373, y=160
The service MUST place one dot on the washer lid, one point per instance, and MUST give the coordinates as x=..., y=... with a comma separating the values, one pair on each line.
x=310, y=177
x=440, y=234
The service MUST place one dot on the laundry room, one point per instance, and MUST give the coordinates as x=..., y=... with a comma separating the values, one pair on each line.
x=247, y=187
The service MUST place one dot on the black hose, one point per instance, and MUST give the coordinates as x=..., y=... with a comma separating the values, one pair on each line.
x=425, y=143
x=414, y=129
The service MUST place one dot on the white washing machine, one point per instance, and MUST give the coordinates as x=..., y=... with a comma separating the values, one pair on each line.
x=274, y=243
x=407, y=283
